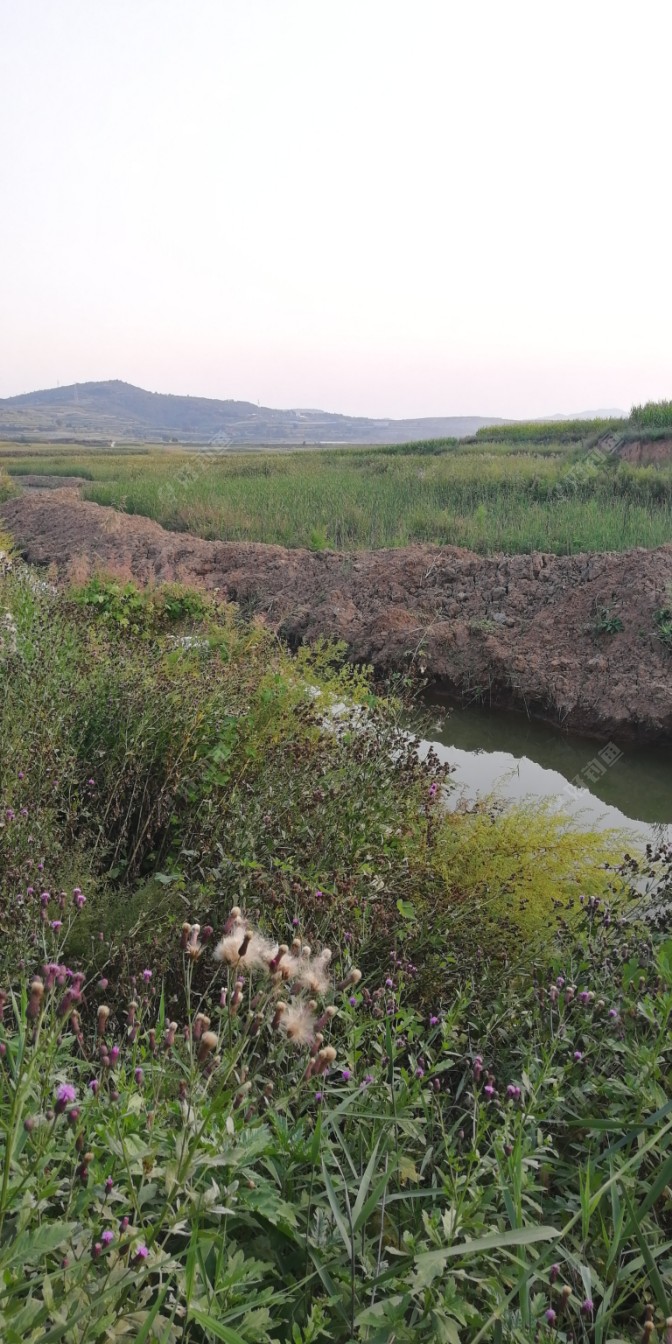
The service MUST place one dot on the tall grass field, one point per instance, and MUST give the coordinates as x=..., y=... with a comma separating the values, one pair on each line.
x=506, y=492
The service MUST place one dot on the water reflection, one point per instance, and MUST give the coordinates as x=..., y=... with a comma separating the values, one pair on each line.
x=514, y=757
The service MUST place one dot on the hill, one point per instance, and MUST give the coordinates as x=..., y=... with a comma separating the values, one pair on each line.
x=120, y=411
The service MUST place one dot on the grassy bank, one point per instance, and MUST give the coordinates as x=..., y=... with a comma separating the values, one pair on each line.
x=455, y=1127
x=512, y=489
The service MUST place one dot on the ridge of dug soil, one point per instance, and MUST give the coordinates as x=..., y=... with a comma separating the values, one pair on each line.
x=518, y=631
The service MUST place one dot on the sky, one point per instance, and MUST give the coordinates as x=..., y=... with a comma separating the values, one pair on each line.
x=379, y=207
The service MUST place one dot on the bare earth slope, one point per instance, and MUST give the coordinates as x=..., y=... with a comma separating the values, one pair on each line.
x=519, y=630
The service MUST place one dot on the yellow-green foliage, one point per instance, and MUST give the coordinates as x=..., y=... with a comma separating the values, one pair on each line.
x=519, y=869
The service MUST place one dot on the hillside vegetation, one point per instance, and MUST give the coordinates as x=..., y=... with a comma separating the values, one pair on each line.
x=118, y=410
x=288, y=1052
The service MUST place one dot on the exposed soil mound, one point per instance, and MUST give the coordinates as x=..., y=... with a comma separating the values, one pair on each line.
x=516, y=630
x=647, y=452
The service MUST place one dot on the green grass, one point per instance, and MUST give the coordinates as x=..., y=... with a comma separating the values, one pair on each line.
x=512, y=493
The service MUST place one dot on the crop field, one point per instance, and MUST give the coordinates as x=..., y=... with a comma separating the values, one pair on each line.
x=498, y=492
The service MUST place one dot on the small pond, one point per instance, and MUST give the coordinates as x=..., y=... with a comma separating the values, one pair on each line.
x=513, y=757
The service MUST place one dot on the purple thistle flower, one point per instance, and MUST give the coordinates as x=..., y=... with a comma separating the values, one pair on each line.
x=346, y=1075
x=353, y=1000
x=109, y=1185
x=65, y=1093
x=319, y=1096
x=389, y=984
x=578, y=1056
x=613, y=1012
x=44, y=898
x=56, y=924
x=419, y=1073
x=489, y=1090
x=587, y=1306
x=114, y=1054
x=107, y=1236
x=139, y=1076
x=147, y=975
x=79, y=898
x=94, y=1085
x=554, y=1273
x=433, y=1021
x=140, y=1255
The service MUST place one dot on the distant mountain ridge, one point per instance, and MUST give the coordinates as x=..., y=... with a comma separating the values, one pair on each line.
x=119, y=411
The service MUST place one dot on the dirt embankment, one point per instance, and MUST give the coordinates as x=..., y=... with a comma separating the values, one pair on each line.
x=519, y=631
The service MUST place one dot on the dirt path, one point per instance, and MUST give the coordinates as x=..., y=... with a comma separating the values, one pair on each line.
x=518, y=630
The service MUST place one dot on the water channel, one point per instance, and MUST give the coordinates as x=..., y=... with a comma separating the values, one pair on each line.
x=509, y=756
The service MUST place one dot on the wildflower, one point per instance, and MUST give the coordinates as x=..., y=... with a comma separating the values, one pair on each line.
x=420, y=1073
x=65, y=1093
x=297, y=1023
x=352, y=978
x=578, y=1056
x=146, y=975
x=114, y=1054
x=94, y=1085
x=103, y=1014
x=489, y=1090
x=551, y=1316
x=587, y=1306
x=346, y=1075
x=201, y=1024
x=56, y=924
x=79, y=899
x=477, y=1067
x=353, y=1000
x=107, y=1236
x=245, y=949
x=613, y=1013
x=141, y=1255
x=109, y=1185
x=169, y=1035
x=318, y=1096
x=554, y=1273
x=96, y=1250
x=44, y=898
x=433, y=1021
x=36, y=997
x=208, y=1043
x=139, y=1076
x=296, y=921
x=313, y=976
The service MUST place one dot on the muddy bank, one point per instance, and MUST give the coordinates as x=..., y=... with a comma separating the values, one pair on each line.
x=516, y=631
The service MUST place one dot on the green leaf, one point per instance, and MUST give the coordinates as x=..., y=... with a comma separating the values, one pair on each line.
x=215, y=1328
x=32, y=1245
x=151, y=1317
x=335, y=1208
x=517, y=1236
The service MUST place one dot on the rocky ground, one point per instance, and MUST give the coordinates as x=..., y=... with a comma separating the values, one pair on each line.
x=517, y=631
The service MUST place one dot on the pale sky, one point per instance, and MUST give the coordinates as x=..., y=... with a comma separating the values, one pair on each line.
x=380, y=207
